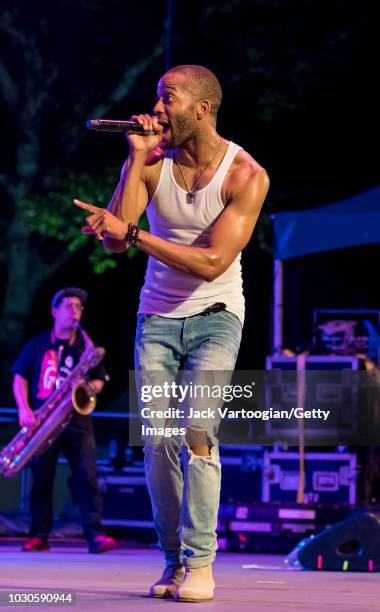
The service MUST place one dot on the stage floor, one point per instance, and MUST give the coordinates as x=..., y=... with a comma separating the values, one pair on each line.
x=119, y=580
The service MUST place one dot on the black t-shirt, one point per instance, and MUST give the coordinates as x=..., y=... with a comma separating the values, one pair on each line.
x=46, y=361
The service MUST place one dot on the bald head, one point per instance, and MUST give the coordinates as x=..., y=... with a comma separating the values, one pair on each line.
x=202, y=83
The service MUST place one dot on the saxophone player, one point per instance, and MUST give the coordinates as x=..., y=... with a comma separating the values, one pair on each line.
x=40, y=368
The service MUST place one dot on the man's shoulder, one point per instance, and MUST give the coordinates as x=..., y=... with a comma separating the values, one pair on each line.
x=40, y=339
x=244, y=165
x=244, y=171
x=44, y=336
x=31, y=353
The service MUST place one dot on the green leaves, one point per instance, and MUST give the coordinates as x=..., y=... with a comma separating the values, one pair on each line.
x=53, y=215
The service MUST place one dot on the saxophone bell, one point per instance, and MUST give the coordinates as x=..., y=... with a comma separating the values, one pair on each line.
x=83, y=398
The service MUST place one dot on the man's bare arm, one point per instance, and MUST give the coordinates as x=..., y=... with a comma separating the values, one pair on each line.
x=230, y=234
x=129, y=199
x=131, y=195
x=21, y=395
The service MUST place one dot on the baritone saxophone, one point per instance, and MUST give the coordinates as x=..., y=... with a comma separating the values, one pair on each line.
x=54, y=414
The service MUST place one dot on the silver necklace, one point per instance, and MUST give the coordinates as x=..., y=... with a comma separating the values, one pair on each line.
x=190, y=194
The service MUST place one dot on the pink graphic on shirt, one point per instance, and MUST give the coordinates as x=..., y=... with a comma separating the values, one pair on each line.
x=48, y=374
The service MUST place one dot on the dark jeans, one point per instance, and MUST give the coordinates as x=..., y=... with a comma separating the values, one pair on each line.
x=78, y=446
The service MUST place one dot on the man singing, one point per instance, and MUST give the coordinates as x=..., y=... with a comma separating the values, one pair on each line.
x=202, y=195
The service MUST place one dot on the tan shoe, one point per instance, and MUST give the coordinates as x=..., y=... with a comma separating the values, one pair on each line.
x=198, y=585
x=168, y=584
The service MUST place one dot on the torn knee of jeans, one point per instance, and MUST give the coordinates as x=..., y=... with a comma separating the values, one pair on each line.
x=211, y=458
x=197, y=437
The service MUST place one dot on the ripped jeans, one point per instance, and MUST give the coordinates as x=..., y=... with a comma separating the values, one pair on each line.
x=185, y=501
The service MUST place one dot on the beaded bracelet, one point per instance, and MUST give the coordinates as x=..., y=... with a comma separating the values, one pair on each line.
x=132, y=234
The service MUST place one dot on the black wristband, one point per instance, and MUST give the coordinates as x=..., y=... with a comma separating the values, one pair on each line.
x=132, y=234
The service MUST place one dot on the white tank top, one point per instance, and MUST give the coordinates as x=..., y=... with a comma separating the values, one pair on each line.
x=173, y=293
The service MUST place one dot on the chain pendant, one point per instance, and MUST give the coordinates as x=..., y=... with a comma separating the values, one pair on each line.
x=190, y=197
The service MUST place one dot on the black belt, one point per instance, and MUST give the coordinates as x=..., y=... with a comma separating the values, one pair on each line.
x=217, y=307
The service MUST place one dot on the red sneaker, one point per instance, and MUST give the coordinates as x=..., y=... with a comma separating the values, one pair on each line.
x=101, y=544
x=36, y=545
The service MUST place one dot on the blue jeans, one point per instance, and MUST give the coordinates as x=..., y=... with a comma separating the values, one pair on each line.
x=185, y=502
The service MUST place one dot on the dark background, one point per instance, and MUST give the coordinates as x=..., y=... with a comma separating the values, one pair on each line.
x=299, y=94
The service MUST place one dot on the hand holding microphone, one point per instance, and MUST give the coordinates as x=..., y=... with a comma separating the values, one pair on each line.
x=143, y=131
x=112, y=125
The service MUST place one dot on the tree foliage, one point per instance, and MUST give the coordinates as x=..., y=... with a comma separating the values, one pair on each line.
x=54, y=216
x=296, y=77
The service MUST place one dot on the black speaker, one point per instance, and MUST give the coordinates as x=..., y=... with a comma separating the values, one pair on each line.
x=352, y=545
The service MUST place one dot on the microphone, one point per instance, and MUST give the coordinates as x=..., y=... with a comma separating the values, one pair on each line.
x=110, y=125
